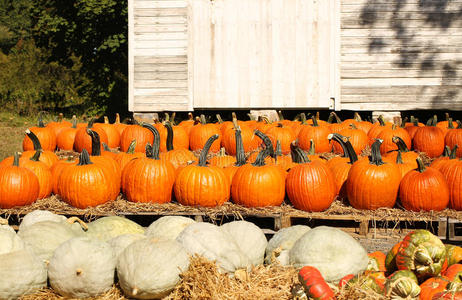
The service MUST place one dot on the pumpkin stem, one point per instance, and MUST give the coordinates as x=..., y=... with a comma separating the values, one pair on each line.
x=260, y=160
x=353, y=126
x=400, y=143
x=453, y=153
x=446, y=115
x=82, y=224
x=450, y=124
x=190, y=116
x=403, y=122
x=381, y=120
x=459, y=124
x=333, y=116
x=95, y=142
x=267, y=141
x=16, y=159
x=74, y=121
x=36, y=156
x=105, y=147
x=264, y=119
x=376, y=157
x=106, y=120
x=420, y=165
x=172, y=118
x=281, y=117
x=197, y=120
x=205, y=150
x=311, y=151
x=148, y=150
x=278, y=151
x=166, y=117
x=91, y=122
x=298, y=155
x=117, y=118
x=357, y=117
x=156, y=142
x=315, y=121
x=240, y=155
x=84, y=158
x=202, y=119
x=40, y=119
x=399, y=158
x=131, y=147
x=220, y=120
x=252, y=117
x=446, y=152
x=432, y=121
x=169, y=142
x=303, y=118
x=34, y=139
x=348, y=150
x=60, y=117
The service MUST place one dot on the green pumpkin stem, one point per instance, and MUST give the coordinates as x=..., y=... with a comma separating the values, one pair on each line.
x=34, y=139
x=172, y=118
x=446, y=115
x=453, y=153
x=357, y=117
x=376, y=157
x=403, y=122
x=312, y=149
x=298, y=155
x=399, y=158
x=84, y=158
x=353, y=126
x=36, y=156
x=169, y=142
x=381, y=120
x=450, y=124
x=459, y=124
x=315, y=121
x=166, y=117
x=240, y=154
x=260, y=160
x=400, y=144
x=95, y=142
x=131, y=147
x=156, y=142
x=220, y=120
x=91, y=122
x=205, y=150
x=16, y=159
x=420, y=165
x=267, y=141
x=148, y=150
x=348, y=150
x=446, y=152
x=432, y=121
x=203, y=120
x=333, y=116
x=303, y=118
x=40, y=119
x=74, y=121
x=106, y=147
x=281, y=117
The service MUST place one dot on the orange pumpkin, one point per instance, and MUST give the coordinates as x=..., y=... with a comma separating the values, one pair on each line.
x=65, y=138
x=201, y=132
x=222, y=160
x=377, y=128
x=430, y=287
x=387, y=135
x=429, y=139
x=42, y=171
x=178, y=157
x=452, y=171
x=123, y=158
x=317, y=133
x=113, y=135
x=135, y=132
x=47, y=157
x=120, y=127
x=240, y=157
x=284, y=134
x=376, y=261
x=407, y=156
x=83, y=141
x=249, y=140
x=357, y=138
x=56, y=170
x=454, y=137
x=59, y=125
x=45, y=135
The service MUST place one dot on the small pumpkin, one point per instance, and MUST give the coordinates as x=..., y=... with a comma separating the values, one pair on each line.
x=387, y=136
x=58, y=125
x=454, y=137
x=83, y=141
x=284, y=134
x=45, y=135
x=113, y=135
x=430, y=287
x=66, y=137
x=355, y=136
x=123, y=158
x=429, y=139
x=136, y=132
x=222, y=160
x=402, y=284
x=249, y=141
x=406, y=155
x=42, y=171
x=47, y=157
x=201, y=132
x=318, y=133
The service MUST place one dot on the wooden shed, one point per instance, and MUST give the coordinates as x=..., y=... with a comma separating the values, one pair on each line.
x=301, y=54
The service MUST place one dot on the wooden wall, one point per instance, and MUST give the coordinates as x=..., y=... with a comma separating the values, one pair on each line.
x=158, y=62
x=401, y=54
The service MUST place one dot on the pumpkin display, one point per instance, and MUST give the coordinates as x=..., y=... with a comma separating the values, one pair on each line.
x=58, y=125
x=179, y=157
x=21, y=273
x=47, y=157
x=357, y=137
x=120, y=127
x=454, y=137
x=18, y=185
x=279, y=246
x=201, y=132
x=332, y=251
x=202, y=185
x=249, y=140
x=387, y=135
x=150, y=269
x=136, y=132
x=82, y=267
x=257, y=184
x=452, y=171
x=429, y=139
x=149, y=179
x=424, y=189
x=66, y=137
x=83, y=141
x=45, y=135
x=390, y=259
x=42, y=171
x=430, y=287
x=407, y=156
x=168, y=227
x=106, y=228
x=120, y=242
x=310, y=185
x=317, y=133
x=9, y=240
x=113, y=135
x=250, y=239
x=373, y=184
x=402, y=284
x=215, y=244
x=314, y=284
x=87, y=184
x=422, y=253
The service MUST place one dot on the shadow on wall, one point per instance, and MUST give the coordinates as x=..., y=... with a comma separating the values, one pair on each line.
x=417, y=51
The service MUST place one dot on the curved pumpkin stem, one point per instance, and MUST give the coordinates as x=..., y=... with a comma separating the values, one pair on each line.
x=267, y=141
x=357, y=117
x=131, y=147
x=348, y=150
x=450, y=124
x=333, y=116
x=240, y=154
x=106, y=147
x=281, y=117
x=432, y=121
x=403, y=122
x=205, y=151
x=16, y=159
x=399, y=158
x=95, y=142
x=82, y=224
x=446, y=152
x=376, y=157
x=260, y=160
x=459, y=124
x=36, y=156
x=303, y=118
x=40, y=119
x=156, y=142
x=148, y=150
x=400, y=143
x=311, y=151
x=34, y=139
x=203, y=120
x=169, y=142
x=453, y=153
x=91, y=122
x=84, y=158
x=381, y=120
x=220, y=120
x=298, y=155
x=315, y=121
x=420, y=165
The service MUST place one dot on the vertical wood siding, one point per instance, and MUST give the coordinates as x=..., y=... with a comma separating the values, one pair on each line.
x=398, y=55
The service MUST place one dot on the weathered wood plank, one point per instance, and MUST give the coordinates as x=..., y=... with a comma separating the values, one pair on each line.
x=437, y=3
x=160, y=52
x=360, y=21
x=403, y=81
x=158, y=12
x=163, y=36
x=160, y=59
x=399, y=90
x=160, y=84
x=161, y=67
x=160, y=75
x=161, y=44
x=160, y=20
x=373, y=72
x=160, y=28
x=170, y=106
x=159, y=4
x=392, y=57
x=383, y=105
x=161, y=92
x=451, y=7
x=432, y=52
x=388, y=32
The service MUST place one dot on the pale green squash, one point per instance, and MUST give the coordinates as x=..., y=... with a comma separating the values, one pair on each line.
x=282, y=241
x=168, y=227
x=107, y=228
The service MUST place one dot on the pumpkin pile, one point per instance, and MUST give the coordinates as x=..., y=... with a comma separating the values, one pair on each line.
x=252, y=163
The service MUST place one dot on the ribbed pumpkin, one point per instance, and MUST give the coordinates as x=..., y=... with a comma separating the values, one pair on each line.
x=86, y=184
x=454, y=137
x=360, y=124
x=222, y=160
x=407, y=156
x=387, y=135
x=429, y=139
x=47, y=157
x=257, y=184
x=135, y=132
x=377, y=128
x=202, y=185
x=56, y=170
x=444, y=125
x=432, y=286
x=123, y=158
x=285, y=161
x=355, y=136
x=201, y=132
x=249, y=140
x=18, y=185
x=113, y=135
x=340, y=166
x=310, y=185
x=390, y=259
x=42, y=171
x=424, y=189
x=240, y=157
x=180, y=135
x=452, y=171
x=373, y=184
x=402, y=284
x=59, y=125
x=120, y=127
x=317, y=133
x=335, y=124
x=65, y=138
x=284, y=134
x=83, y=141
x=149, y=179
x=447, y=155
x=188, y=124
x=177, y=156
x=412, y=126
x=45, y=135
x=404, y=167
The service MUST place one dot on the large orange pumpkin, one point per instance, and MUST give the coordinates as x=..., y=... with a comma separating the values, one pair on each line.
x=373, y=184
x=387, y=135
x=65, y=138
x=317, y=133
x=284, y=134
x=201, y=132
x=202, y=185
x=41, y=170
x=83, y=141
x=407, y=156
x=45, y=135
x=46, y=156
x=135, y=132
x=357, y=138
x=113, y=135
x=18, y=185
x=249, y=140
x=452, y=171
x=429, y=139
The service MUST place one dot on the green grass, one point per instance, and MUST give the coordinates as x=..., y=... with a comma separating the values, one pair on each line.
x=12, y=129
